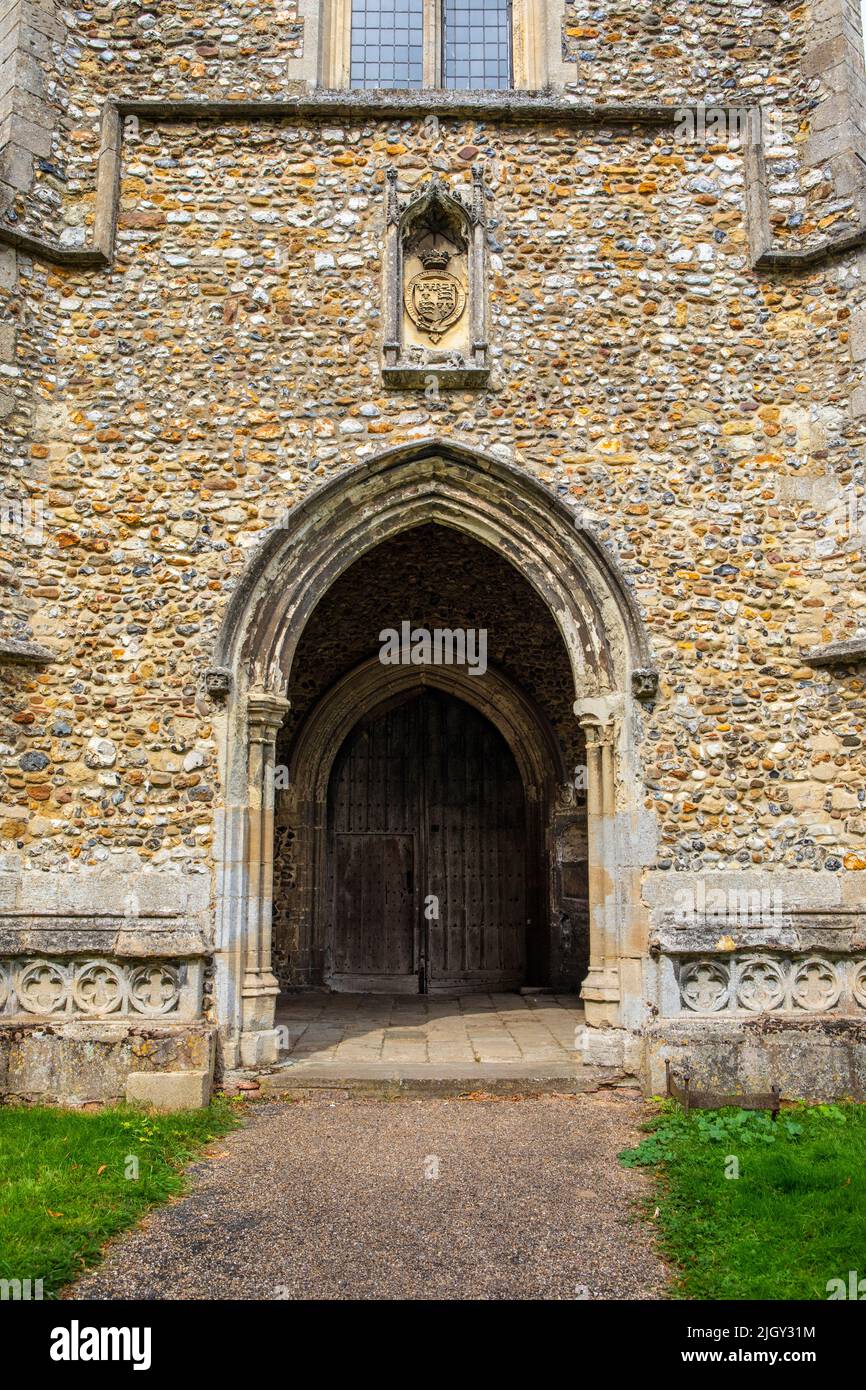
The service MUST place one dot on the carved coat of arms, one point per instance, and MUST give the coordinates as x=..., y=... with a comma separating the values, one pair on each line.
x=434, y=299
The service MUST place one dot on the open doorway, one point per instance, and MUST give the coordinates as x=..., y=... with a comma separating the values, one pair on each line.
x=431, y=834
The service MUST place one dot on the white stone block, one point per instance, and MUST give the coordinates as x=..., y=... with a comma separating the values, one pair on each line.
x=170, y=1090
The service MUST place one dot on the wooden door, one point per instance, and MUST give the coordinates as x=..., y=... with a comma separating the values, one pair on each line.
x=427, y=840
x=375, y=807
x=475, y=860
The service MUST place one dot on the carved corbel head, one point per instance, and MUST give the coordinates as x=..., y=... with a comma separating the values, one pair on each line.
x=217, y=683
x=644, y=684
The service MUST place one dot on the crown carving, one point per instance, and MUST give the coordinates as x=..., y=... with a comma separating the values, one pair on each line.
x=434, y=257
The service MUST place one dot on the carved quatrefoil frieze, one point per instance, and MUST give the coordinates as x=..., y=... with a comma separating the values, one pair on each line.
x=89, y=988
x=761, y=984
x=98, y=988
x=705, y=986
x=769, y=983
x=153, y=989
x=816, y=985
x=42, y=987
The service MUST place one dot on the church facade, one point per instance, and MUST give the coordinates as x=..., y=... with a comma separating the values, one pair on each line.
x=433, y=515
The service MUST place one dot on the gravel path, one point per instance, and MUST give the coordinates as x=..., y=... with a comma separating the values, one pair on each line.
x=341, y=1200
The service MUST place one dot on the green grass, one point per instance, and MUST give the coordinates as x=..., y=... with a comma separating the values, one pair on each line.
x=65, y=1184
x=795, y=1217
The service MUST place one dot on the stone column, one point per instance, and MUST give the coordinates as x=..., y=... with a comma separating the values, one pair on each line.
x=258, y=1042
x=601, y=988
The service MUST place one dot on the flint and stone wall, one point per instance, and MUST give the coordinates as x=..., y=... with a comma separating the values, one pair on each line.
x=677, y=331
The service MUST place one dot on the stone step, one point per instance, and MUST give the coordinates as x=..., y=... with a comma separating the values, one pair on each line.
x=377, y=1079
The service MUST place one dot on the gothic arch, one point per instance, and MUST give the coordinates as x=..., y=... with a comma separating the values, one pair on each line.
x=501, y=506
x=439, y=481
x=370, y=685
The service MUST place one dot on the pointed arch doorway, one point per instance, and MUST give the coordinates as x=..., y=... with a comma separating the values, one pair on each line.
x=501, y=507
x=427, y=853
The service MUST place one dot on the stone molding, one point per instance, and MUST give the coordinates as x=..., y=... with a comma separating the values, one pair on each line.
x=762, y=253
x=21, y=653
x=446, y=481
x=503, y=107
x=800, y=930
x=851, y=653
x=141, y=936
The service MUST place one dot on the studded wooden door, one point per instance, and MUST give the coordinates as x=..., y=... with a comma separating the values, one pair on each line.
x=427, y=866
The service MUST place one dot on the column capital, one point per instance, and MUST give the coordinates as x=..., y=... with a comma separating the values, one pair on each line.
x=265, y=712
x=598, y=717
x=598, y=735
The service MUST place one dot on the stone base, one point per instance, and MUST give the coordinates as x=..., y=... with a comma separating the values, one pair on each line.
x=170, y=1090
x=260, y=1049
x=76, y=1063
x=616, y=1048
x=817, y=1059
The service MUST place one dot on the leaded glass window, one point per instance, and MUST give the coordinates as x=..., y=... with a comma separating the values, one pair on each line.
x=459, y=44
x=387, y=43
x=476, y=44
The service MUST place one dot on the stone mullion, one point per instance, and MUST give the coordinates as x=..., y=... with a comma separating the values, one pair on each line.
x=266, y=892
x=611, y=941
x=432, y=39
x=478, y=272
x=393, y=272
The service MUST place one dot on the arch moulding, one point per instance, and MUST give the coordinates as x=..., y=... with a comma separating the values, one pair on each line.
x=501, y=506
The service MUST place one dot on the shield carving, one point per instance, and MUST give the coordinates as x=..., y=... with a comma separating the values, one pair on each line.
x=434, y=302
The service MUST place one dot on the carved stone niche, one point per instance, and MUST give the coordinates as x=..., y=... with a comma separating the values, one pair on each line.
x=435, y=287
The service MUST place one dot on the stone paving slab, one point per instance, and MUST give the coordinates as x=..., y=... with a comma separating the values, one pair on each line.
x=344, y=1037
x=474, y=1199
